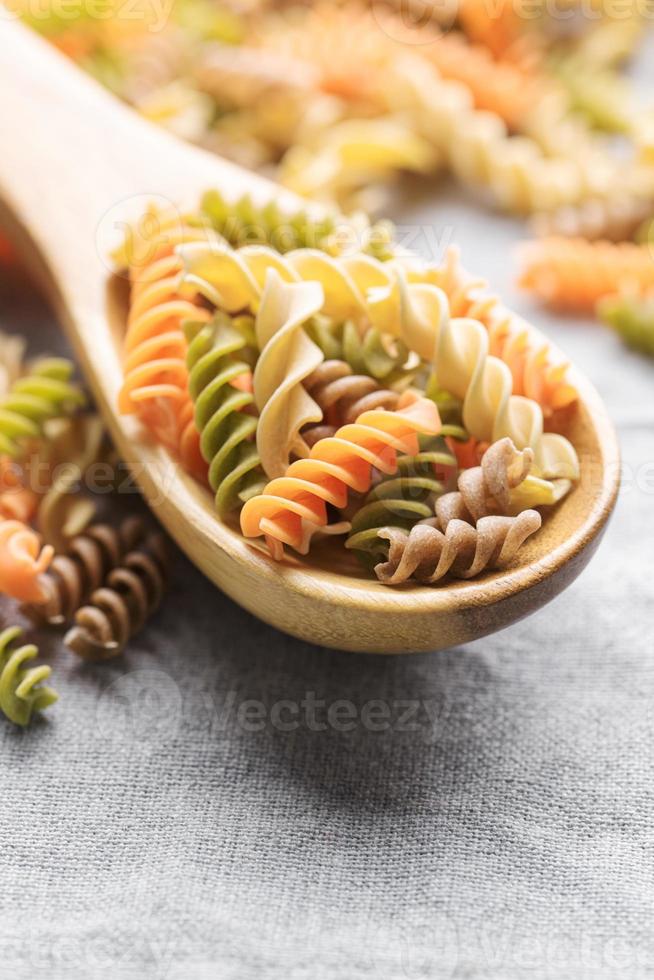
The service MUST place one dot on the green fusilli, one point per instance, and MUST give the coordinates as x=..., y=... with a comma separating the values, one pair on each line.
x=632, y=317
x=44, y=393
x=400, y=500
x=385, y=360
x=245, y=223
x=21, y=693
x=226, y=429
x=600, y=94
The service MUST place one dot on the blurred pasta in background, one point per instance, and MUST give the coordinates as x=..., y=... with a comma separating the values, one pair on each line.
x=528, y=104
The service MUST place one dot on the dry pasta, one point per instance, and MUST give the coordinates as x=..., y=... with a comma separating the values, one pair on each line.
x=23, y=562
x=342, y=396
x=44, y=393
x=156, y=377
x=461, y=550
x=333, y=466
x=401, y=500
x=287, y=357
x=312, y=373
x=632, y=318
x=501, y=484
x=120, y=608
x=74, y=574
x=574, y=274
x=21, y=689
x=220, y=386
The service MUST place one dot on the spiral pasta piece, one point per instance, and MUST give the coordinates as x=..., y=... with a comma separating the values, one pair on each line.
x=234, y=279
x=342, y=396
x=342, y=162
x=23, y=562
x=538, y=369
x=500, y=29
x=501, y=484
x=43, y=394
x=601, y=95
x=427, y=554
x=155, y=375
x=424, y=298
x=615, y=218
x=245, y=223
x=335, y=465
x=401, y=500
x=21, y=689
x=518, y=173
x=223, y=409
x=287, y=357
x=82, y=568
x=378, y=355
x=632, y=318
x=483, y=383
x=574, y=274
x=120, y=608
x=506, y=88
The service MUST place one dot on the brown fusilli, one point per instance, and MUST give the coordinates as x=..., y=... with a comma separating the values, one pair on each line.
x=343, y=396
x=426, y=554
x=73, y=576
x=486, y=489
x=120, y=608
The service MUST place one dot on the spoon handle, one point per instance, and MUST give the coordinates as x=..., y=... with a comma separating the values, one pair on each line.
x=76, y=164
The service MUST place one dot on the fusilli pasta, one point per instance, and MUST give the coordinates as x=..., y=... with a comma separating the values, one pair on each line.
x=427, y=554
x=23, y=562
x=223, y=409
x=632, y=317
x=63, y=510
x=378, y=355
x=401, y=501
x=502, y=484
x=245, y=223
x=615, y=218
x=287, y=357
x=82, y=568
x=397, y=298
x=44, y=393
x=573, y=274
x=18, y=501
x=335, y=465
x=342, y=396
x=21, y=689
x=120, y=608
x=156, y=377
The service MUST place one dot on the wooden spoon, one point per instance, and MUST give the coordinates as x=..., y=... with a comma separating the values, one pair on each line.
x=75, y=165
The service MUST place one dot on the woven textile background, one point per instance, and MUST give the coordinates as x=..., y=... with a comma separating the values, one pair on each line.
x=207, y=808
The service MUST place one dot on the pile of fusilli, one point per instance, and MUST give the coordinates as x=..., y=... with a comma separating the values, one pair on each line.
x=329, y=391
x=320, y=390
x=63, y=570
x=336, y=98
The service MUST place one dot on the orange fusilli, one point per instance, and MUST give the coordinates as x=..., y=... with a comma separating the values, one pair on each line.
x=335, y=465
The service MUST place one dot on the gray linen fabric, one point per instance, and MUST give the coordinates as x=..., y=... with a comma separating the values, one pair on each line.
x=192, y=813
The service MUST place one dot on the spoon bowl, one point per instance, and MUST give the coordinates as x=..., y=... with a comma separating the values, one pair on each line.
x=76, y=167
